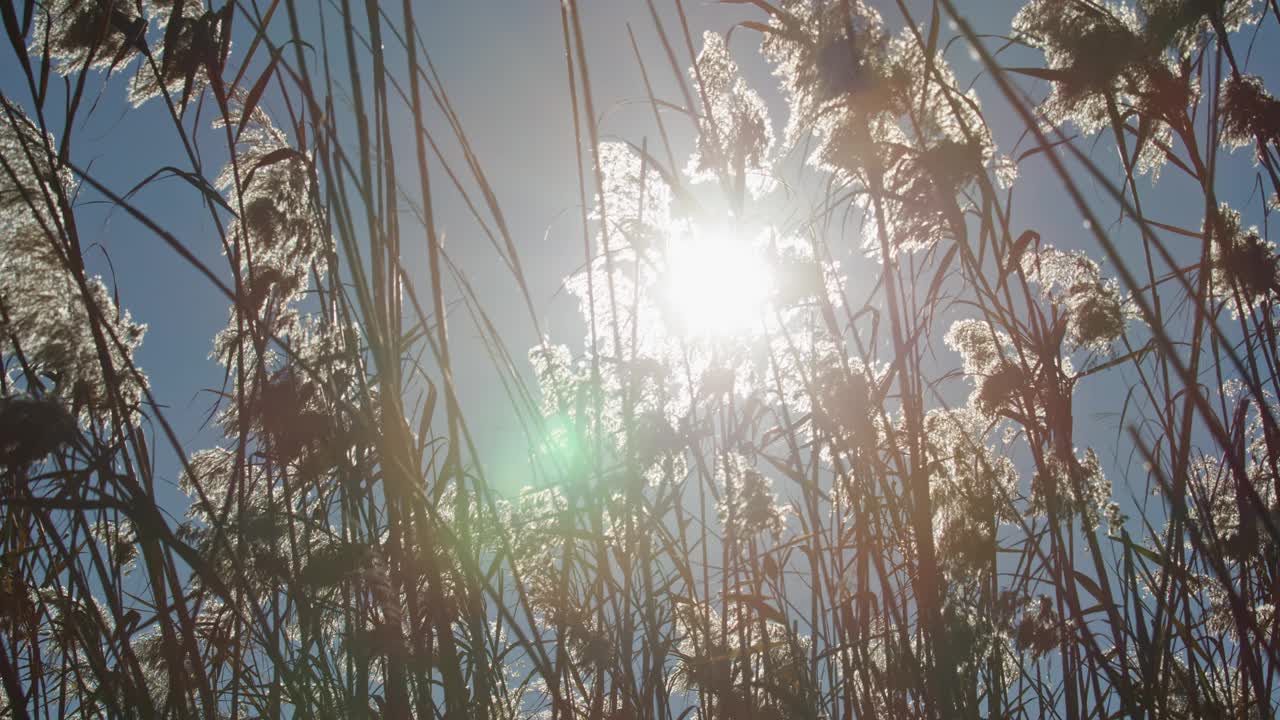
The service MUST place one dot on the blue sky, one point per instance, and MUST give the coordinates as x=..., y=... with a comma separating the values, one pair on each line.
x=503, y=64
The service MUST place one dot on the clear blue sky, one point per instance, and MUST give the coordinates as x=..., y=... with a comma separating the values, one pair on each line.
x=502, y=61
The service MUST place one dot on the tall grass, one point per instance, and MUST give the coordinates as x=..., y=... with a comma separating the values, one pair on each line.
x=871, y=494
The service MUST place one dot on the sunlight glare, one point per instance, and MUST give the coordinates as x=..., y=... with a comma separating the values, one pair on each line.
x=717, y=285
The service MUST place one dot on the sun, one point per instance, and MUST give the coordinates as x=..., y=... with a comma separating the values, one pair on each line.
x=717, y=284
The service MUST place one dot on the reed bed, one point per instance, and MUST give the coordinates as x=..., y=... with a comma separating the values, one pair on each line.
x=819, y=452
